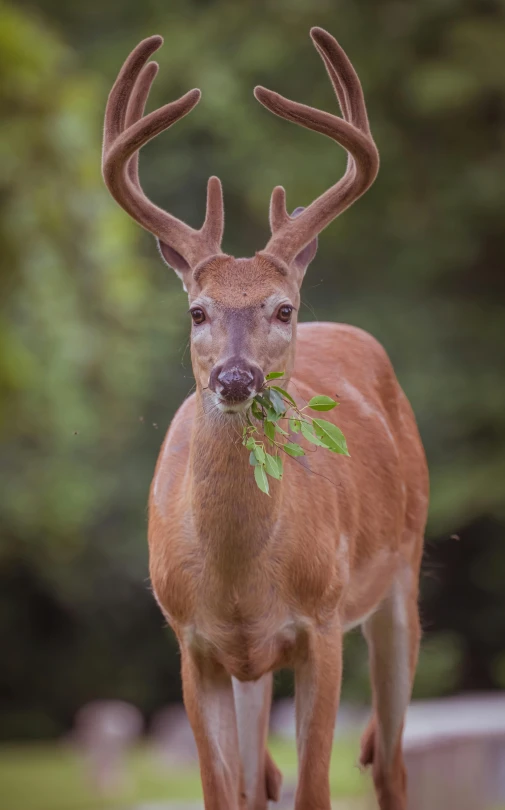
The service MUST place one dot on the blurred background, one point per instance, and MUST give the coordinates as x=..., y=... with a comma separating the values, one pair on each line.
x=94, y=331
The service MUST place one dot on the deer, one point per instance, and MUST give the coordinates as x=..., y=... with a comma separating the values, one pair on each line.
x=252, y=583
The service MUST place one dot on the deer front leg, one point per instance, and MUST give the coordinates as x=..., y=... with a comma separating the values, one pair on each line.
x=208, y=698
x=262, y=778
x=317, y=694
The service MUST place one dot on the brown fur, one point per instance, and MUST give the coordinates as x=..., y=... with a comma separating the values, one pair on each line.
x=252, y=583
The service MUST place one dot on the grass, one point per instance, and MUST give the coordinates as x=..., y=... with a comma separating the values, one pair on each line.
x=51, y=777
x=345, y=777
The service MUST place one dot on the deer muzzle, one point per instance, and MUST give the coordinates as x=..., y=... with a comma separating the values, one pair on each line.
x=236, y=381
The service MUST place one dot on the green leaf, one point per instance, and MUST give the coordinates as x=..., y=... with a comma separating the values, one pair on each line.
x=270, y=414
x=278, y=459
x=256, y=410
x=322, y=403
x=269, y=429
x=259, y=452
x=309, y=433
x=276, y=400
x=284, y=394
x=293, y=449
x=295, y=425
x=250, y=443
x=272, y=403
x=261, y=479
x=331, y=435
x=262, y=401
x=274, y=375
x=272, y=467
x=253, y=461
x=280, y=430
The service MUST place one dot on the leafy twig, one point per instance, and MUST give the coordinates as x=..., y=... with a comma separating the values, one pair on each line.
x=268, y=407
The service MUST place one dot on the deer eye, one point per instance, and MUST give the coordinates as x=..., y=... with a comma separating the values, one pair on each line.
x=284, y=313
x=198, y=315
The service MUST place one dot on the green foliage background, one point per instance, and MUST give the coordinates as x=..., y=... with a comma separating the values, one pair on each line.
x=93, y=328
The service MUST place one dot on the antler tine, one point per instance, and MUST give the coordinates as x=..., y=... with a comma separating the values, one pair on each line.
x=213, y=226
x=343, y=77
x=126, y=131
x=291, y=235
x=135, y=110
x=115, y=111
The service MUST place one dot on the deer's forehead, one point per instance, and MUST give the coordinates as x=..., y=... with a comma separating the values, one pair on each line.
x=242, y=283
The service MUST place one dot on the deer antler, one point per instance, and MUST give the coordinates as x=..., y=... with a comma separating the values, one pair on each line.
x=126, y=131
x=291, y=235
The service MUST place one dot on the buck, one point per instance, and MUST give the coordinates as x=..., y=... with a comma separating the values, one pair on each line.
x=251, y=583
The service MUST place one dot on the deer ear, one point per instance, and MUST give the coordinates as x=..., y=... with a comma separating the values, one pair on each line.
x=304, y=258
x=174, y=260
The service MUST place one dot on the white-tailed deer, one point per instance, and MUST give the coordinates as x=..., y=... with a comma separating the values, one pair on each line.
x=251, y=583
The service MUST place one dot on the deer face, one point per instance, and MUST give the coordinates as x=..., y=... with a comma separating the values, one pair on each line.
x=244, y=314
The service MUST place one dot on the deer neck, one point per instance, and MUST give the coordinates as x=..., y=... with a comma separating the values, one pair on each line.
x=232, y=517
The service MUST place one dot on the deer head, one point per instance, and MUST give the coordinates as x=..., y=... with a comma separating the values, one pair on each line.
x=244, y=311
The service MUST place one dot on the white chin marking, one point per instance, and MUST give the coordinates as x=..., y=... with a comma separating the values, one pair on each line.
x=239, y=407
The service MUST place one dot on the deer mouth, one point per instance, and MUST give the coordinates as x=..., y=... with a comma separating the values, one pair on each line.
x=231, y=406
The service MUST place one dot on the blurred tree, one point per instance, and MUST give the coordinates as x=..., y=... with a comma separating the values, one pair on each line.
x=92, y=336
x=79, y=315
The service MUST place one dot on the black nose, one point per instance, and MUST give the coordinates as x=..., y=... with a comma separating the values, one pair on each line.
x=236, y=381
